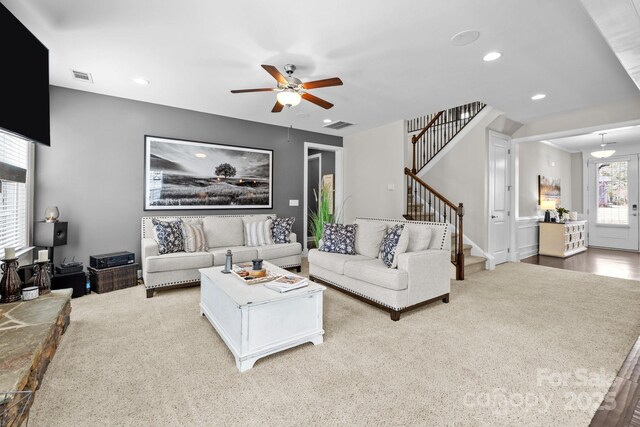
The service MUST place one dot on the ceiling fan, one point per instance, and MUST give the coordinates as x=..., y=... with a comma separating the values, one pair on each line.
x=291, y=90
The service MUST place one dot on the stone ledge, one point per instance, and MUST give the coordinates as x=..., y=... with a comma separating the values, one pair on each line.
x=29, y=335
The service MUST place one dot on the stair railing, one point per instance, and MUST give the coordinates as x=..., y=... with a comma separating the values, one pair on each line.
x=437, y=130
x=426, y=204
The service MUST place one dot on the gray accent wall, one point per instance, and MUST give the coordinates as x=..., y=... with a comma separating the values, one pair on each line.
x=94, y=169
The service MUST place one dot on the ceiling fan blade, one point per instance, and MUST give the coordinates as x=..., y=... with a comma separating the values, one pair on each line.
x=333, y=81
x=252, y=90
x=321, y=102
x=277, y=108
x=275, y=73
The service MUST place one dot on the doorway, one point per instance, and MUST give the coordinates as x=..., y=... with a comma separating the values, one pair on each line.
x=322, y=168
x=613, y=202
x=314, y=187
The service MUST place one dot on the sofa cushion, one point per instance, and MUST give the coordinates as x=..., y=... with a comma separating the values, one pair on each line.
x=394, y=243
x=339, y=238
x=258, y=233
x=419, y=237
x=279, y=250
x=194, y=240
x=240, y=254
x=179, y=261
x=169, y=235
x=249, y=219
x=376, y=272
x=369, y=236
x=333, y=262
x=222, y=231
x=281, y=228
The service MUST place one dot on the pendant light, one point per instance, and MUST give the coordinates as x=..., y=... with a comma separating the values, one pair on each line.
x=602, y=153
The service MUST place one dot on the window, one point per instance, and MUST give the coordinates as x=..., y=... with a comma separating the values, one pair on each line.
x=613, y=206
x=14, y=196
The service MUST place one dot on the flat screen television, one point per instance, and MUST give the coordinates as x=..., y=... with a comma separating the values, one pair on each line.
x=24, y=81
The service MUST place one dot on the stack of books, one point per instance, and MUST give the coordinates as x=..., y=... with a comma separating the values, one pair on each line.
x=287, y=283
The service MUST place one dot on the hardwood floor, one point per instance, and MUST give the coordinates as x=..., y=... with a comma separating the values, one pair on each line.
x=605, y=262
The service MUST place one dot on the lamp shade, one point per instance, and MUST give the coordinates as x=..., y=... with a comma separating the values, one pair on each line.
x=289, y=98
x=602, y=154
x=547, y=205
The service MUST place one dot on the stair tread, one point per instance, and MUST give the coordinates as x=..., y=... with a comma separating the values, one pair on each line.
x=469, y=260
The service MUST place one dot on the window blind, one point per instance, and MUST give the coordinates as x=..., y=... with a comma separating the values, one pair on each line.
x=14, y=161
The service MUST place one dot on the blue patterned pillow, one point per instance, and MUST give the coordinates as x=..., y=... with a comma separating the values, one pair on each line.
x=393, y=245
x=281, y=228
x=170, y=236
x=339, y=238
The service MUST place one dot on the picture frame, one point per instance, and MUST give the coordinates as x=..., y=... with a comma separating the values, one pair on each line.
x=549, y=189
x=188, y=175
x=327, y=183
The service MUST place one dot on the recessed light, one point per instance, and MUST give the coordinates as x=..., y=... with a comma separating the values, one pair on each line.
x=201, y=155
x=326, y=121
x=141, y=81
x=465, y=37
x=538, y=96
x=491, y=56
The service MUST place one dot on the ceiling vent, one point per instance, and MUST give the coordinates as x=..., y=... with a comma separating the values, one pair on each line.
x=81, y=76
x=338, y=125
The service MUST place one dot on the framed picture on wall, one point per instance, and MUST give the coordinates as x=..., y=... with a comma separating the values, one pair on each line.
x=182, y=174
x=548, y=189
x=327, y=184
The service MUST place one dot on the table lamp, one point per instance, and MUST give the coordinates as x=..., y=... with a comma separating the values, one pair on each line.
x=547, y=206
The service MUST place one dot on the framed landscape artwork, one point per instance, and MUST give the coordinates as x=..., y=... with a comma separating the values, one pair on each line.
x=196, y=175
x=548, y=189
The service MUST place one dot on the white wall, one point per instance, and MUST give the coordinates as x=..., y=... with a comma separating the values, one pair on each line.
x=576, y=182
x=373, y=160
x=461, y=176
x=536, y=158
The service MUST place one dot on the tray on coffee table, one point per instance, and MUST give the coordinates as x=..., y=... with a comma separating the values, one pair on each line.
x=237, y=268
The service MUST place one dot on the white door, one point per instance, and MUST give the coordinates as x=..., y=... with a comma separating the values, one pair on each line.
x=499, y=187
x=613, y=202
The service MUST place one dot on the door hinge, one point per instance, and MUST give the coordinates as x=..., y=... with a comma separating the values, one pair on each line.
x=509, y=151
x=508, y=188
x=508, y=250
x=508, y=213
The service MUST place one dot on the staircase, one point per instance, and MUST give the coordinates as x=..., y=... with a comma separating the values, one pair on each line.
x=424, y=203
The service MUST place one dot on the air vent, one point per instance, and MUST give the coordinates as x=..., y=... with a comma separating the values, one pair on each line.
x=81, y=76
x=338, y=125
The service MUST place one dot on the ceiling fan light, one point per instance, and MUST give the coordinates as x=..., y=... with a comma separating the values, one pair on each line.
x=603, y=154
x=289, y=98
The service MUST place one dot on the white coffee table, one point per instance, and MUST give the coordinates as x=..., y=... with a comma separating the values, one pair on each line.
x=255, y=321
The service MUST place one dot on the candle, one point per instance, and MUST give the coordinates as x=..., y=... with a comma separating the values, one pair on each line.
x=43, y=255
x=9, y=253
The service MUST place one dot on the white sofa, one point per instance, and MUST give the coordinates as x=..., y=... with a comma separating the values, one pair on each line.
x=422, y=275
x=221, y=232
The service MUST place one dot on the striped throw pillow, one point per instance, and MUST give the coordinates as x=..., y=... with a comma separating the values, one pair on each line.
x=258, y=233
x=194, y=238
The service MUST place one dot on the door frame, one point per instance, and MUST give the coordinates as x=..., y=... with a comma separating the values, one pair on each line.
x=510, y=202
x=338, y=185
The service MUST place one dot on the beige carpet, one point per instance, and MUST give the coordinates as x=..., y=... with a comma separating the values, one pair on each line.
x=127, y=360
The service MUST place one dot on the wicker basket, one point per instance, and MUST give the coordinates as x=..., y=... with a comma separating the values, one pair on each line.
x=111, y=279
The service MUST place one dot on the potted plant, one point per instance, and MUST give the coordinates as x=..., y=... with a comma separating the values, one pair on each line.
x=322, y=215
x=561, y=212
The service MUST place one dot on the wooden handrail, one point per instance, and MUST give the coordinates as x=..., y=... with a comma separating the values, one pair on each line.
x=417, y=137
x=417, y=189
x=426, y=128
x=452, y=205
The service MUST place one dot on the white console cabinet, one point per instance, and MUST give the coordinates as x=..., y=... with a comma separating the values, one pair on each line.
x=562, y=239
